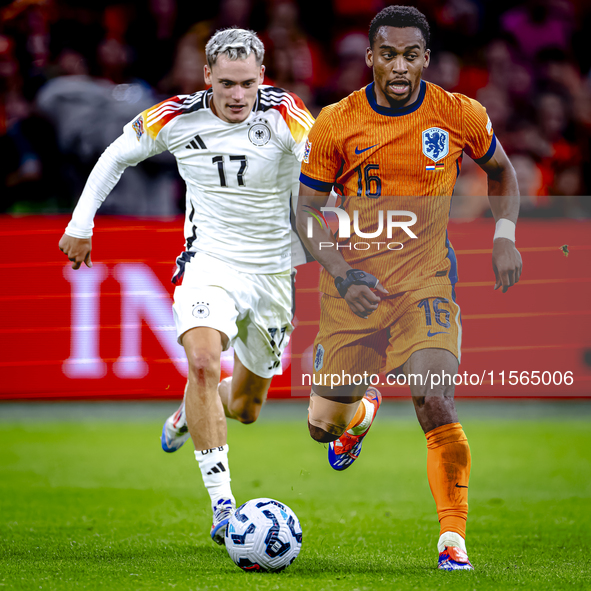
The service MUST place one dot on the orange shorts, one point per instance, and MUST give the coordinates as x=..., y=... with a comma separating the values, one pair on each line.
x=426, y=318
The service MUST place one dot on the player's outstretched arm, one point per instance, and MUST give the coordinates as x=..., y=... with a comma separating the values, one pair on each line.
x=76, y=241
x=360, y=298
x=129, y=149
x=503, y=195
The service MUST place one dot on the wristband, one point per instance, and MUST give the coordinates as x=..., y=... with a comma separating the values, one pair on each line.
x=505, y=229
x=355, y=277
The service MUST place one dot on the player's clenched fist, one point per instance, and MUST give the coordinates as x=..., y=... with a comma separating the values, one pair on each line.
x=362, y=300
x=361, y=291
x=77, y=250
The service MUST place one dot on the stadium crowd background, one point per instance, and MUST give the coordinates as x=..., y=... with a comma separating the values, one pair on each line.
x=73, y=72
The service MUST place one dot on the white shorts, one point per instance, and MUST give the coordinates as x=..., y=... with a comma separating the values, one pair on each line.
x=253, y=311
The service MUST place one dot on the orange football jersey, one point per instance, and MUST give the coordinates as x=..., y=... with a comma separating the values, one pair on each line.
x=380, y=159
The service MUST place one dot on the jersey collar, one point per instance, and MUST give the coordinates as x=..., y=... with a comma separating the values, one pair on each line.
x=389, y=111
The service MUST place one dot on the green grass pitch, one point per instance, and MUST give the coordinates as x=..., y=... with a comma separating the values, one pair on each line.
x=96, y=504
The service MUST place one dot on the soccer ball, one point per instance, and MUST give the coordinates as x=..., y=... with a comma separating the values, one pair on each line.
x=263, y=535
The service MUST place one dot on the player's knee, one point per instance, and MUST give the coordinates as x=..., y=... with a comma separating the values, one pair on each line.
x=246, y=413
x=435, y=411
x=321, y=435
x=203, y=365
x=434, y=404
x=328, y=419
x=247, y=419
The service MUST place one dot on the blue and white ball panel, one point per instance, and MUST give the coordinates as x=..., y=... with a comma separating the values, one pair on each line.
x=263, y=534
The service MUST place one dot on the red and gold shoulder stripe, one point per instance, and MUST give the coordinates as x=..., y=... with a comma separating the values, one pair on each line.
x=292, y=109
x=157, y=117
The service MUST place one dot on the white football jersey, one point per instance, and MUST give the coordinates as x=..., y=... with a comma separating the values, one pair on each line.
x=239, y=176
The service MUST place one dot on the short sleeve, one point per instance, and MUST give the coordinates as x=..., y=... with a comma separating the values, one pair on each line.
x=322, y=160
x=479, y=138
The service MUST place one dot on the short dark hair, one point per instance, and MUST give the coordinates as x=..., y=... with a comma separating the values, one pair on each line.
x=400, y=16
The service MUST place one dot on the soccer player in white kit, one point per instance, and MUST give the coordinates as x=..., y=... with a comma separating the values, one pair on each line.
x=238, y=147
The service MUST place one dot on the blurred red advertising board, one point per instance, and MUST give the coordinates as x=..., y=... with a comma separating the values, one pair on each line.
x=104, y=332
x=532, y=341
x=107, y=332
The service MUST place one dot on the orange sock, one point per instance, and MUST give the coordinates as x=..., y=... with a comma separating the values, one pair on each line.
x=448, y=469
x=359, y=416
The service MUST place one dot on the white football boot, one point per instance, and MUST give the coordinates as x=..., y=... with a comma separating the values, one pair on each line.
x=223, y=509
x=175, y=430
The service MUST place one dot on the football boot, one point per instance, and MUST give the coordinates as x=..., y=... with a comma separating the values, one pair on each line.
x=175, y=430
x=223, y=509
x=346, y=449
x=454, y=558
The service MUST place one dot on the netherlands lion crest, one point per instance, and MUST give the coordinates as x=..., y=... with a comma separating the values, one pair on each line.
x=435, y=143
x=319, y=358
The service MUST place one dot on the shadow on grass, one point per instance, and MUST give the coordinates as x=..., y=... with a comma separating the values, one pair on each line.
x=313, y=566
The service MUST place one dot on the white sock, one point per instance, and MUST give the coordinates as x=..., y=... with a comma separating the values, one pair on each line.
x=450, y=538
x=215, y=471
x=366, y=422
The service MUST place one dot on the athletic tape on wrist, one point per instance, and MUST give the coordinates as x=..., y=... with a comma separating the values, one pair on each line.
x=505, y=229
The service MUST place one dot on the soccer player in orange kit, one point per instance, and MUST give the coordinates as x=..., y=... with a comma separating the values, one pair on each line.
x=393, y=152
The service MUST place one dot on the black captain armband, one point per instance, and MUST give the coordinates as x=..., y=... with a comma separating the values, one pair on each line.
x=355, y=277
